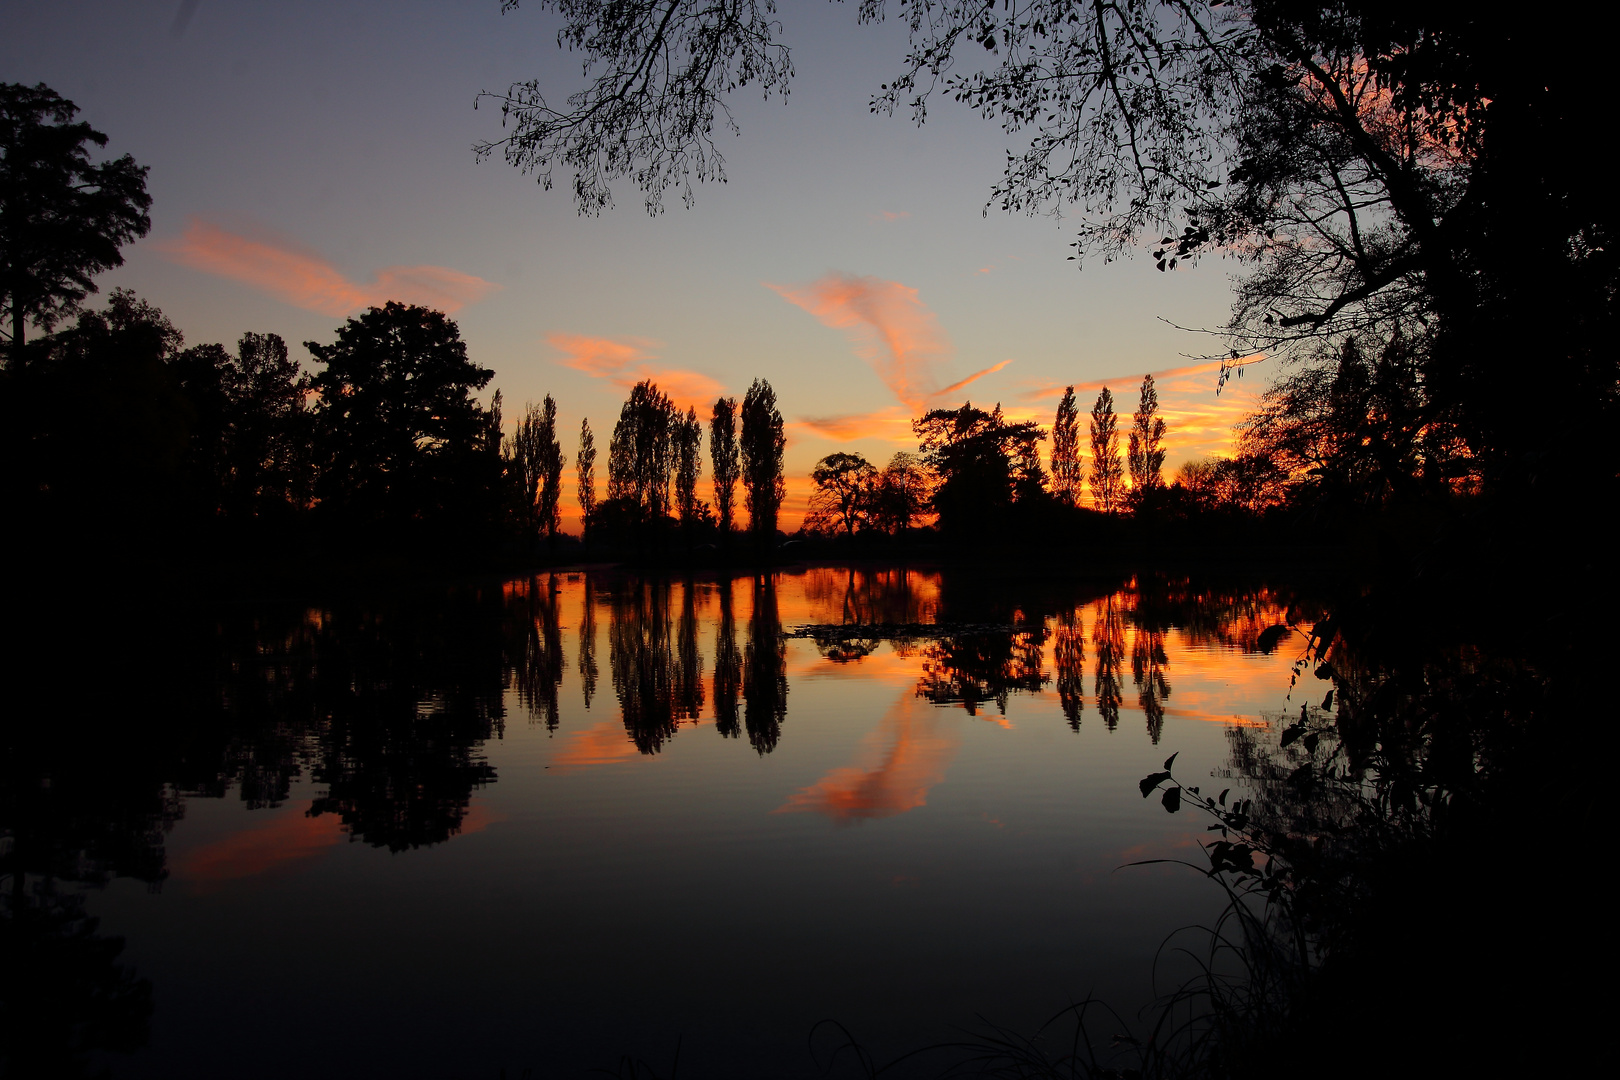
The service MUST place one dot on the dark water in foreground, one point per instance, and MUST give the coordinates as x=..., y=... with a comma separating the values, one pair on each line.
x=574, y=817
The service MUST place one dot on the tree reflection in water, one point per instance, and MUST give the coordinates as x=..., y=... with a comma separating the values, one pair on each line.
x=408, y=694
x=974, y=669
x=689, y=666
x=1108, y=635
x=1069, y=659
x=64, y=995
x=587, y=642
x=765, y=685
x=642, y=663
x=535, y=638
x=1148, y=666
x=727, y=667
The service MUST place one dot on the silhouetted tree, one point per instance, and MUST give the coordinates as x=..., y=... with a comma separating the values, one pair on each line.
x=723, y=454
x=400, y=440
x=537, y=459
x=765, y=685
x=981, y=461
x=1067, y=478
x=762, y=445
x=1360, y=432
x=249, y=429
x=845, y=491
x=901, y=494
x=63, y=218
x=641, y=456
x=1380, y=167
x=98, y=438
x=688, y=437
x=1107, y=472
x=585, y=464
x=1145, y=452
x=1248, y=483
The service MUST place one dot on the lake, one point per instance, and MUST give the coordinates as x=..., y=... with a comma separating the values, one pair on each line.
x=555, y=821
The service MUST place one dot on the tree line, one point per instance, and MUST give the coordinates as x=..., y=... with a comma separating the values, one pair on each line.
x=976, y=470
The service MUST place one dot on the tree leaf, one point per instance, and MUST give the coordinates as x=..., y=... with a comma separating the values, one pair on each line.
x=1170, y=759
x=1152, y=781
x=1172, y=799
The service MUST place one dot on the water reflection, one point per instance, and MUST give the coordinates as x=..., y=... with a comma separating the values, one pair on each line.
x=1069, y=659
x=646, y=676
x=387, y=708
x=765, y=685
x=537, y=631
x=64, y=996
x=905, y=757
x=727, y=668
x=1108, y=638
x=587, y=640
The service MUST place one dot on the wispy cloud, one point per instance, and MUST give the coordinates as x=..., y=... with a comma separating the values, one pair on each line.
x=890, y=215
x=889, y=327
x=892, y=424
x=625, y=362
x=900, y=762
x=304, y=279
x=955, y=386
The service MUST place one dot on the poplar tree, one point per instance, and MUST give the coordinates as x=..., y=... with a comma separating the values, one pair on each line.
x=762, y=445
x=723, y=454
x=1067, y=474
x=549, y=466
x=537, y=458
x=1146, y=449
x=688, y=438
x=1107, y=471
x=640, y=457
x=585, y=464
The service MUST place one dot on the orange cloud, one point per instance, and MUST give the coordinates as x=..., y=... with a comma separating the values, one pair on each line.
x=919, y=749
x=304, y=279
x=285, y=840
x=892, y=424
x=991, y=370
x=600, y=744
x=891, y=215
x=623, y=362
x=889, y=327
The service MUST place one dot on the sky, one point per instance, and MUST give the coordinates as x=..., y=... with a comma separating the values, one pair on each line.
x=309, y=160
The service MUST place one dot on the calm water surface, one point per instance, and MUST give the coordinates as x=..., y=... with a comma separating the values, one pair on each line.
x=582, y=815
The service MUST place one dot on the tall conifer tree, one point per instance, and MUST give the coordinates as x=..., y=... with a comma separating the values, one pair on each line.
x=1107, y=471
x=723, y=454
x=762, y=445
x=1146, y=448
x=1067, y=476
